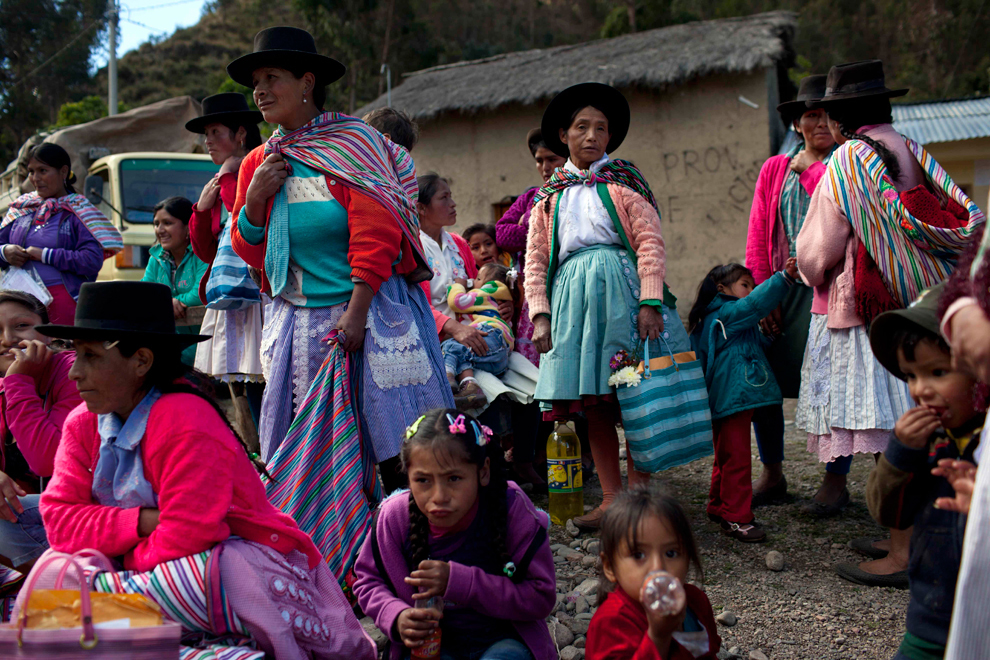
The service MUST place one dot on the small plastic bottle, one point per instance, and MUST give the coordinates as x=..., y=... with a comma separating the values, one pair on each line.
x=430, y=648
x=662, y=593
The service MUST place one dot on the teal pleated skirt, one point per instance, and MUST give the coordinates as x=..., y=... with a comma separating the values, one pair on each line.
x=594, y=306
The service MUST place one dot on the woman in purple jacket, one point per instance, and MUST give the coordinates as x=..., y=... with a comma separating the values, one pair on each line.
x=43, y=232
x=464, y=536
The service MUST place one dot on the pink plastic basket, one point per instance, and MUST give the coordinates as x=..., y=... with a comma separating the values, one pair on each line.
x=16, y=641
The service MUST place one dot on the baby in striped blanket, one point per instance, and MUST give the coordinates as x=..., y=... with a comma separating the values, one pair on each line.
x=478, y=307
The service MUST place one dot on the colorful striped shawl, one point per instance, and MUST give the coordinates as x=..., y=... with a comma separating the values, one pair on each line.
x=911, y=255
x=359, y=157
x=97, y=223
x=620, y=172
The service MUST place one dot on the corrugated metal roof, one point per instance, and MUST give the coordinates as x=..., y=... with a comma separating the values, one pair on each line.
x=944, y=121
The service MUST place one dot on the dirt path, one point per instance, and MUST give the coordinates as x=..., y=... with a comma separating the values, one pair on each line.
x=804, y=611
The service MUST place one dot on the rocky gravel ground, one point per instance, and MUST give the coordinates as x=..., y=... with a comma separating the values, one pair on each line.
x=802, y=610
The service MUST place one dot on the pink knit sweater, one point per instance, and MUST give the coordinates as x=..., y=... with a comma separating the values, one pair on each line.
x=766, y=242
x=641, y=225
x=207, y=491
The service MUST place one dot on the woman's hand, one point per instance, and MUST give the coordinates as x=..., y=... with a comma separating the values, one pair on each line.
x=802, y=161
x=30, y=359
x=916, y=426
x=650, y=322
x=430, y=579
x=147, y=522
x=208, y=198
x=267, y=180
x=352, y=324
x=34, y=253
x=416, y=624
x=961, y=475
x=506, y=310
x=771, y=324
x=178, y=309
x=541, y=334
x=790, y=267
x=15, y=255
x=467, y=335
x=460, y=280
x=971, y=342
x=11, y=505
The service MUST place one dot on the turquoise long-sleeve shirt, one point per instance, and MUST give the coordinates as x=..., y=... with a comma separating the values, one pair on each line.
x=183, y=280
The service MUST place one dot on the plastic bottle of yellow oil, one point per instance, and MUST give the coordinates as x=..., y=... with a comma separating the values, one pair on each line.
x=564, y=476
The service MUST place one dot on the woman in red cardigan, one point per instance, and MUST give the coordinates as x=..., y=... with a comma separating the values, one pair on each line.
x=325, y=210
x=150, y=471
x=233, y=352
x=780, y=203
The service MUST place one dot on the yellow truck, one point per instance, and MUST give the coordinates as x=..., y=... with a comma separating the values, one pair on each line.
x=126, y=187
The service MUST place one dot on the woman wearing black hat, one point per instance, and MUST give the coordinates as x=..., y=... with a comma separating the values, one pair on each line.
x=325, y=210
x=595, y=266
x=886, y=223
x=780, y=203
x=233, y=353
x=151, y=471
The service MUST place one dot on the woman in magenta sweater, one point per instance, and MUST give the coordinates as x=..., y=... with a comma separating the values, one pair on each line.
x=36, y=395
x=150, y=471
x=780, y=203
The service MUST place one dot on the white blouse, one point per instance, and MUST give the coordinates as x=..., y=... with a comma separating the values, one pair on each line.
x=447, y=264
x=583, y=220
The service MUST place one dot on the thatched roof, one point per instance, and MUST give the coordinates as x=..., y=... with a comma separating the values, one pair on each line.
x=654, y=59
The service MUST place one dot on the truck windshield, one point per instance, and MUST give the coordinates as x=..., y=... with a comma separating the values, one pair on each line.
x=147, y=181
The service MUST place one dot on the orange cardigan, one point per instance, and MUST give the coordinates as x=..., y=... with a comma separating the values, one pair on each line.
x=376, y=240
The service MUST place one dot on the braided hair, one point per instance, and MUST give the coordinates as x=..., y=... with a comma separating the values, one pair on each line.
x=171, y=376
x=853, y=114
x=433, y=431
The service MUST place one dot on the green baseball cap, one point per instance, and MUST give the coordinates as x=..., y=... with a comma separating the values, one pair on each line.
x=922, y=313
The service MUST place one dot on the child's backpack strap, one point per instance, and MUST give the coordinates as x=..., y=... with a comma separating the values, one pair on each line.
x=522, y=568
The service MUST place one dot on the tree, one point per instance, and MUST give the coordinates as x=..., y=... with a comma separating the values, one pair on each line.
x=45, y=51
x=79, y=112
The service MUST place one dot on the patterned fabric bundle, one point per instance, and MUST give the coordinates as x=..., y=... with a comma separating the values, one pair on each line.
x=910, y=254
x=190, y=592
x=323, y=474
x=97, y=223
x=618, y=171
x=360, y=157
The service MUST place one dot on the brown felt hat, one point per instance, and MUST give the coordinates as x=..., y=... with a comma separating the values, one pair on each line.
x=856, y=80
x=812, y=88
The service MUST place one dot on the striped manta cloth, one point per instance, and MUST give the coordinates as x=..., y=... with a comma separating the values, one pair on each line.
x=911, y=255
x=97, y=223
x=361, y=158
x=323, y=474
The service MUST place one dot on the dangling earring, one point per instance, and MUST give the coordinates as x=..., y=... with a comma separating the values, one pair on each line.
x=304, y=100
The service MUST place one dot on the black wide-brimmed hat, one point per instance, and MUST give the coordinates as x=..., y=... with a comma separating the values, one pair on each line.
x=812, y=88
x=227, y=108
x=287, y=48
x=123, y=310
x=856, y=80
x=603, y=97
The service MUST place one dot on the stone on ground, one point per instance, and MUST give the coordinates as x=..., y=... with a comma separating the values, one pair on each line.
x=775, y=561
x=727, y=619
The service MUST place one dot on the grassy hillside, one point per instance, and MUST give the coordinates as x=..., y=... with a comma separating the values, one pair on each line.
x=192, y=61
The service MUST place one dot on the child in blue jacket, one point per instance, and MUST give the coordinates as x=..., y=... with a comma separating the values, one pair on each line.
x=725, y=335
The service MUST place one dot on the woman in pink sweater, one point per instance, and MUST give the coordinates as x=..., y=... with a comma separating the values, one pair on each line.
x=36, y=396
x=783, y=194
x=150, y=471
x=595, y=265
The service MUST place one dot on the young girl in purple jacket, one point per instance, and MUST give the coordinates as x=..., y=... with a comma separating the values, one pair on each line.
x=465, y=536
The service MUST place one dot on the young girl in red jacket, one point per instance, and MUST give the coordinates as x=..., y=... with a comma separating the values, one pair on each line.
x=643, y=532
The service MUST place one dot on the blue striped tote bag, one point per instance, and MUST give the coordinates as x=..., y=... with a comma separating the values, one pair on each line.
x=666, y=417
x=230, y=285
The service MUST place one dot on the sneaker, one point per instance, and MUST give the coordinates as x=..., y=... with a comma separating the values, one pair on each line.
x=470, y=396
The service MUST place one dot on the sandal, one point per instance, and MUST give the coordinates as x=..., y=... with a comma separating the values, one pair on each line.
x=751, y=532
x=864, y=546
x=470, y=396
x=776, y=494
x=821, y=510
x=857, y=575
